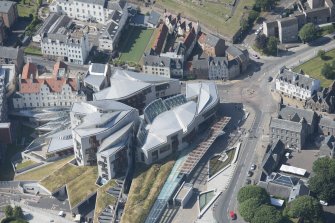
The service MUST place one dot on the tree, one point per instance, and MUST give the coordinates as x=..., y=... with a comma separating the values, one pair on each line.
x=253, y=191
x=322, y=54
x=305, y=206
x=308, y=32
x=248, y=208
x=327, y=71
x=272, y=46
x=17, y=212
x=8, y=211
x=264, y=5
x=323, y=181
x=253, y=15
x=260, y=42
x=267, y=214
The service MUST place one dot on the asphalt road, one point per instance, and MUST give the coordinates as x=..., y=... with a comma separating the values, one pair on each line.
x=264, y=106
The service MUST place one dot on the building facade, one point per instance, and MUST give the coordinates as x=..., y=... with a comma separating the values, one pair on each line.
x=47, y=90
x=212, y=45
x=137, y=89
x=9, y=55
x=323, y=101
x=102, y=134
x=170, y=125
x=296, y=85
x=288, y=29
x=8, y=12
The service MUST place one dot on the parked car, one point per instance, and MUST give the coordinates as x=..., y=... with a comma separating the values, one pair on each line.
x=253, y=167
x=247, y=181
x=232, y=215
x=250, y=173
x=324, y=203
x=270, y=79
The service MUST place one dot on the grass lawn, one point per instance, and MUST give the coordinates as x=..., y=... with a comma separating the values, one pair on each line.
x=313, y=68
x=43, y=171
x=82, y=186
x=33, y=51
x=215, y=165
x=25, y=164
x=134, y=44
x=104, y=199
x=212, y=15
x=62, y=176
x=6, y=168
x=144, y=190
x=26, y=7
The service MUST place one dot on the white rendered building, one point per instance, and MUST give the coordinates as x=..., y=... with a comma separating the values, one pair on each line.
x=296, y=85
x=102, y=134
x=109, y=39
x=46, y=90
x=170, y=125
x=138, y=89
x=64, y=40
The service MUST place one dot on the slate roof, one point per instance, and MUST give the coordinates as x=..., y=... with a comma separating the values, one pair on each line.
x=154, y=18
x=5, y=6
x=8, y=52
x=288, y=113
x=98, y=68
x=153, y=60
x=273, y=157
x=116, y=5
x=285, y=124
x=288, y=21
x=328, y=122
x=95, y=2
x=296, y=79
x=212, y=40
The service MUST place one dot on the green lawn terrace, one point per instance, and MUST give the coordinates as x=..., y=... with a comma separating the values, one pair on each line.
x=133, y=43
x=218, y=15
x=27, y=8
x=314, y=66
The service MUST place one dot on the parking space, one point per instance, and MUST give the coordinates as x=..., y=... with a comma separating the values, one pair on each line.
x=302, y=159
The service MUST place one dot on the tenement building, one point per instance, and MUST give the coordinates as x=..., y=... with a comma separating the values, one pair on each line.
x=102, y=134
x=38, y=89
x=293, y=126
x=295, y=85
x=323, y=101
x=8, y=13
x=66, y=41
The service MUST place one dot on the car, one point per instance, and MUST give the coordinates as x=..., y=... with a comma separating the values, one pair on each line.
x=257, y=32
x=256, y=56
x=253, y=167
x=324, y=203
x=270, y=79
x=247, y=181
x=61, y=213
x=250, y=173
x=232, y=215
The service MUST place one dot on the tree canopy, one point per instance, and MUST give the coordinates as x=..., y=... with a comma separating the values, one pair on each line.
x=8, y=211
x=267, y=214
x=272, y=45
x=248, y=208
x=264, y=5
x=322, y=183
x=260, y=42
x=253, y=191
x=308, y=32
x=305, y=206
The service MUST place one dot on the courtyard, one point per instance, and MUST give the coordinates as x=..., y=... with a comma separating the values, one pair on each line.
x=133, y=43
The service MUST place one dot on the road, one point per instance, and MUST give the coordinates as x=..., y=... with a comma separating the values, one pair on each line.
x=261, y=101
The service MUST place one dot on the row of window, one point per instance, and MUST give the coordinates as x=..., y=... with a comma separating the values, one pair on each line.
x=46, y=104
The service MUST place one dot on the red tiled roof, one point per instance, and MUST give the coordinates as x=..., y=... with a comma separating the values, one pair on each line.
x=202, y=38
x=28, y=69
x=55, y=85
